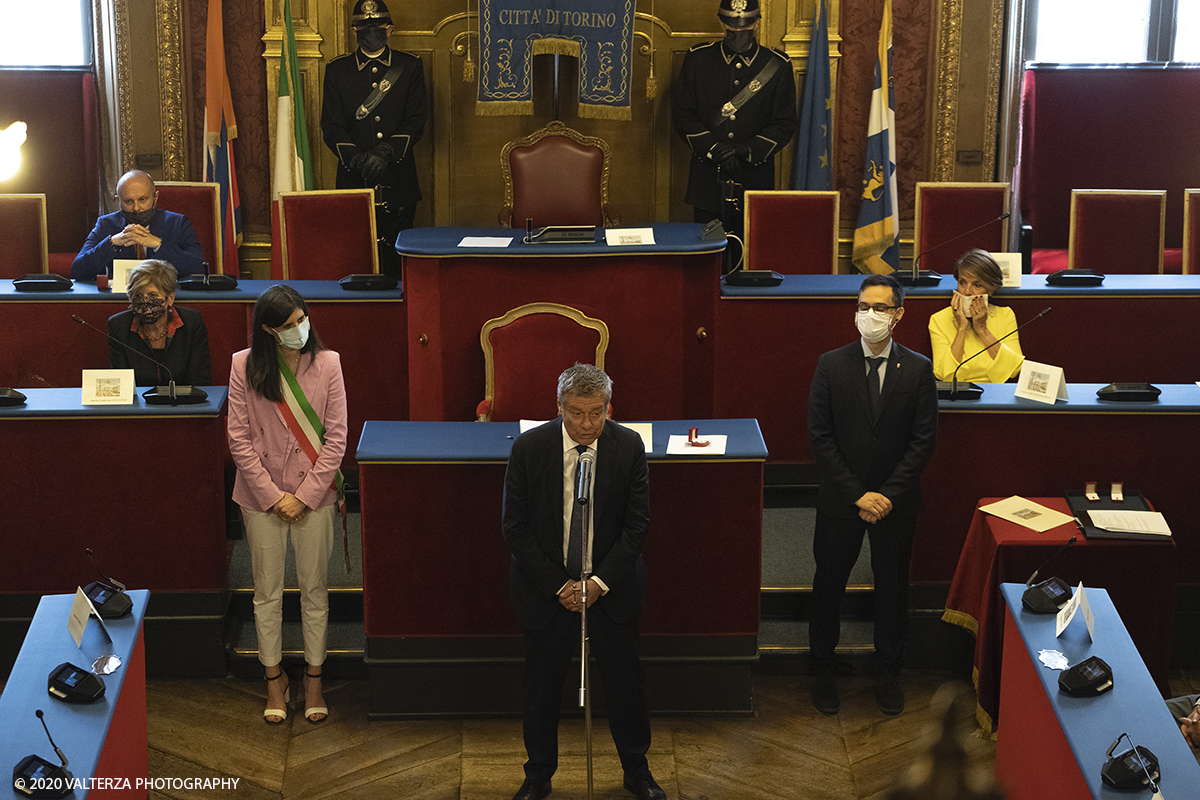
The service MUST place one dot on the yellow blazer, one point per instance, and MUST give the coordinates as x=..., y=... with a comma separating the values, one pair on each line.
x=983, y=368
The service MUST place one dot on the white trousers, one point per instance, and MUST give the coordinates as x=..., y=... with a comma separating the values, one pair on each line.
x=312, y=541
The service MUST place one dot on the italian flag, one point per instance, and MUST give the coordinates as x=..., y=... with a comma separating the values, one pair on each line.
x=293, y=163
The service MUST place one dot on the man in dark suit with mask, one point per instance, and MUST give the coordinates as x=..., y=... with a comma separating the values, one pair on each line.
x=139, y=231
x=543, y=529
x=372, y=114
x=872, y=426
x=734, y=103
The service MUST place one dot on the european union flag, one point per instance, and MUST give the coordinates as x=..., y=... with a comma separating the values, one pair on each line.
x=811, y=171
x=876, y=239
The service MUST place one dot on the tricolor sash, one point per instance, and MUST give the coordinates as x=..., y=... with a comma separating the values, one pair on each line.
x=309, y=431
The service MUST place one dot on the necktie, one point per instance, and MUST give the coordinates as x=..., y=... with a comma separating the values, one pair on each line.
x=873, y=385
x=575, y=537
x=139, y=251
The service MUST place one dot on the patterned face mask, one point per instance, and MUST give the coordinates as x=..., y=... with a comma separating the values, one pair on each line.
x=149, y=309
x=138, y=217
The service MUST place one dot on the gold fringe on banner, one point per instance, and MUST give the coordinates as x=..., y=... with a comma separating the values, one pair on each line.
x=562, y=47
x=593, y=111
x=504, y=107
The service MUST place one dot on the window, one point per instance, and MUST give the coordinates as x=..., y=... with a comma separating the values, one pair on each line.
x=45, y=35
x=1114, y=31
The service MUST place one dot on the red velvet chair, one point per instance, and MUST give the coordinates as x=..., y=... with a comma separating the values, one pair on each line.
x=200, y=203
x=792, y=232
x=526, y=350
x=1191, y=231
x=25, y=246
x=948, y=210
x=1117, y=230
x=328, y=234
x=556, y=176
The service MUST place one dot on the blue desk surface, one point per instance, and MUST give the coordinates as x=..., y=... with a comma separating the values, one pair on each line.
x=1176, y=398
x=669, y=237
x=447, y=442
x=65, y=403
x=78, y=730
x=246, y=292
x=1133, y=706
x=839, y=286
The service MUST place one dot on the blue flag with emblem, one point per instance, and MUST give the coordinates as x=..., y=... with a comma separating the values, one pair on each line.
x=810, y=170
x=597, y=32
x=876, y=238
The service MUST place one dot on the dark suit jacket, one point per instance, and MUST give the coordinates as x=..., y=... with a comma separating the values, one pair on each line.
x=857, y=452
x=186, y=355
x=180, y=248
x=533, y=522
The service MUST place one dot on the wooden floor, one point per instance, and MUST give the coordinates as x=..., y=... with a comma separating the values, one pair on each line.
x=214, y=729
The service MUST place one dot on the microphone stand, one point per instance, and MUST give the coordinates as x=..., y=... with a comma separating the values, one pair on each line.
x=1013, y=332
x=157, y=395
x=585, y=696
x=918, y=277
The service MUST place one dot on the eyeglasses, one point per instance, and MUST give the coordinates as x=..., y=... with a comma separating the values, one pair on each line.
x=880, y=307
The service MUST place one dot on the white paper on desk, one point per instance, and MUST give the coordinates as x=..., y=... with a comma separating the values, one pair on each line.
x=1010, y=268
x=1034, y=516
x=626, y=237
x=678, y=445
x=1067, y=612
x=643, y=429
x=1132, y=521
x=107, y=387
x=77, y=618
x=485, y=241
x=120, y=277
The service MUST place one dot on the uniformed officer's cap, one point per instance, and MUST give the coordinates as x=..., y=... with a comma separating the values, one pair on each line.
x=374, y=12
x=739, y=13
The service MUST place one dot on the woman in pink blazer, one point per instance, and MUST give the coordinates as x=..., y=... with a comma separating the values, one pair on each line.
x=287, y=479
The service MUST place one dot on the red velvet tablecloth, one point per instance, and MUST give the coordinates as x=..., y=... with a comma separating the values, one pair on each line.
x=1139, y=576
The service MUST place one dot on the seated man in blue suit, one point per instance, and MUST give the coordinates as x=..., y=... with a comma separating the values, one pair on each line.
x=543, y=526
x=872, y=425
x=139, y=231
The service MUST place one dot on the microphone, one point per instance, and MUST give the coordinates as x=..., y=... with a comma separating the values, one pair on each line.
x=110, y=601
x=158, y=395
x=57, y=752
x=34, y=776
x=1046, y=597
x=583, y=478
x=1125, y=770
x=1013, y=332
x=918, y=278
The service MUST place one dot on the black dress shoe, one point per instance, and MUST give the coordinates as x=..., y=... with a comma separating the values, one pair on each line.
x=532, y=790
x=889, y=695
x=643, y=787
x=825, y=693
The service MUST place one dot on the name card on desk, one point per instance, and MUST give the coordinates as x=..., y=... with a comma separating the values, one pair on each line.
x=121, y=269
x=1010, y=268
x=107, y=387
x=1067, y=613
x=1041, y=382
x=626, y=237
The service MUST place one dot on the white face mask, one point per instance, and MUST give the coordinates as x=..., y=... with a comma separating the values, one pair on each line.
x=875, y=326
x=294, y=338
x=965, y=301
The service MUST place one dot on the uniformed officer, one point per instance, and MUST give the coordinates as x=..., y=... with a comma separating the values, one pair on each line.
x=735, y=105
x=372, y=115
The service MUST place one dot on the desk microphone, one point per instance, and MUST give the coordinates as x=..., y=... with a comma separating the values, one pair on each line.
x=110, y=601
x=583, y=477
x=34, y=776
x=158, y=395
x=977, y=391
x=917, y=277
x=1125, y=770
x=1047, y=596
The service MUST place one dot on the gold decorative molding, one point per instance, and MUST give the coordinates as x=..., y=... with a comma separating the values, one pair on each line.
x=995, y=66
x=945, y=90
x=124, y=82
x=172, y=123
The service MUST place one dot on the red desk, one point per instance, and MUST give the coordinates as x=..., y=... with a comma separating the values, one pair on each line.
x=1139, y=576
x=432, y=494
x=658, y=302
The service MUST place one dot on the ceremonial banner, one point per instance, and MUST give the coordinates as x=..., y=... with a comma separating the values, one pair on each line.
x=876, y=240
x=810, y=170
x=220, y=129
x=597, y=32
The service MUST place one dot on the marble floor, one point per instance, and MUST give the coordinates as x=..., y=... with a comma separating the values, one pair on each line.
x=214, y=729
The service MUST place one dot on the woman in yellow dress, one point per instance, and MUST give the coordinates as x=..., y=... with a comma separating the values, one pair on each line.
x=971, y=323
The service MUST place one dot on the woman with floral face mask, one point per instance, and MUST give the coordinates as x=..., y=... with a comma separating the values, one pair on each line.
x=972, y=323
x=173, y=339
x=287, y=435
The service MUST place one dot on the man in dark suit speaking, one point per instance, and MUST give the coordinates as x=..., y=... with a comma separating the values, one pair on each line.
x=872, y=424
x=543, y=529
